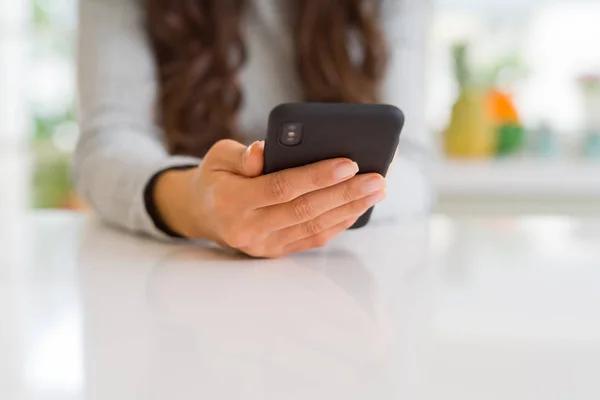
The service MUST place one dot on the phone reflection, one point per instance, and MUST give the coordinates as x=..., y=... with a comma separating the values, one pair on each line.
x=182, y=322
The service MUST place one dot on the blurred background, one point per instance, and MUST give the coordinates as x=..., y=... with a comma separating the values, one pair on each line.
x=513, y=103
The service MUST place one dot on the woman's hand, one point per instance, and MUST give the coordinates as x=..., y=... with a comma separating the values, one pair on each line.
x=228, y=201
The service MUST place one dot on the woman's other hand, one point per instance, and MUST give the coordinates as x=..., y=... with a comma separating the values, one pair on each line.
x=228, y=201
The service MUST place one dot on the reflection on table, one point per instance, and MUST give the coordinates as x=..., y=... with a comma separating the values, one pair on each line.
x=455, y=308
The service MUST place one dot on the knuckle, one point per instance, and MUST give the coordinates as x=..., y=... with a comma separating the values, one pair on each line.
x=321, y=241
x=313, y=227
x=359, y=207
x=279, y=188
x=239, y=165
x=317, y=178
x=224, y=143
x=347, y=195
x=303, y=209
x=216, y=149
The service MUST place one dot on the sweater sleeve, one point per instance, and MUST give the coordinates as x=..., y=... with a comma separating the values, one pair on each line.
x=120, y=148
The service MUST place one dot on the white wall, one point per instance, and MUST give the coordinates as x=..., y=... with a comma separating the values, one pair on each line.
x=14, y=48
x=14, y=126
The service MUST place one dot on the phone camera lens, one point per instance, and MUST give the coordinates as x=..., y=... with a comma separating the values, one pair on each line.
x=291, y=134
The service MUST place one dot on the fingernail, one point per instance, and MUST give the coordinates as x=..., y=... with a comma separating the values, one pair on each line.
x=373, y=185
x=375, y=199
x=249, y=151
x=345, y=170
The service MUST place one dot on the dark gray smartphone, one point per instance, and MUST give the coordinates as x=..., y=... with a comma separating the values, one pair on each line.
x=304, y=133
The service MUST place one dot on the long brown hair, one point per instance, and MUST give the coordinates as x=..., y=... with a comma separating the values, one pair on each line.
x=199, y=49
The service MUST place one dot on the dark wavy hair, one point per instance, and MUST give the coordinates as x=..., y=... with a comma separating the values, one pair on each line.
x=199, y=49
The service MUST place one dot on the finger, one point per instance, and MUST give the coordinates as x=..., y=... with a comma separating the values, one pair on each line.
x=253, y=160
x=310, y=206
x=284, y=186
x=329, y=220
x=320, y=240
x=234, y=157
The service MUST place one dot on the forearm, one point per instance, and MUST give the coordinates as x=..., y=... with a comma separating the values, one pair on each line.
x=112, y=168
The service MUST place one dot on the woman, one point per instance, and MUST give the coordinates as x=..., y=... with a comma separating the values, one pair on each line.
x=170, y=89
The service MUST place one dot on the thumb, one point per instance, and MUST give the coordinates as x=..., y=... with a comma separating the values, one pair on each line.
x=252, y=162
x=231, y=156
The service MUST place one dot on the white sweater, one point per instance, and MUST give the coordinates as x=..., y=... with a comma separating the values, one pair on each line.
x=121, y=147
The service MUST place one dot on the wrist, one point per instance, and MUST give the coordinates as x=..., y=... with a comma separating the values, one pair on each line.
x=172, y=196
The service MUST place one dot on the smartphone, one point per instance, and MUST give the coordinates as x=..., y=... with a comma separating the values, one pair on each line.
x=304, y=133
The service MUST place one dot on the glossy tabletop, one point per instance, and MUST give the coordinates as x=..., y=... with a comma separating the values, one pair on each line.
x=443, y=308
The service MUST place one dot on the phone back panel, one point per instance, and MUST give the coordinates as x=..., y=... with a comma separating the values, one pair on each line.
x=365, y=133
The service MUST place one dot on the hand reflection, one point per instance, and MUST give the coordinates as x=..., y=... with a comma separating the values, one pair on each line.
x=298, y=325
x=165, y=321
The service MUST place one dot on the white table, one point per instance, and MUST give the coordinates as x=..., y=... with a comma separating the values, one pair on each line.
x=448, y=309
